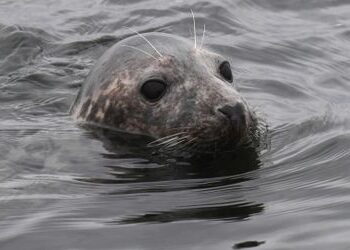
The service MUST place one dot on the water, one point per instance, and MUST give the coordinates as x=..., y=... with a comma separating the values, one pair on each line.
x=61, y=188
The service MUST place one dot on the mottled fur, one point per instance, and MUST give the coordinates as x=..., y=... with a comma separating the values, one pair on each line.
x=111, y=95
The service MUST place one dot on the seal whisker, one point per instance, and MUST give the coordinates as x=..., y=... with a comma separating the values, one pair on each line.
x=175, y=141
x=144, y=38
x=174, y=144
x=194, y=30
x=164, y=143
x=188, y=144
x=169, y=136
x=167, y=142
x=135, y=48
x=179, y=146
x=202, y=40
x=176, y=148
x=165, y=139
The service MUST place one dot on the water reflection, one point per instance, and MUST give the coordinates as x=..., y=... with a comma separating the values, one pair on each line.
x=139, y=172
x=230, y=213
x=155, y=166
x=58, y=186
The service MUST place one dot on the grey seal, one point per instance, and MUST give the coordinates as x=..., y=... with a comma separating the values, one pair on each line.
x=168, y=88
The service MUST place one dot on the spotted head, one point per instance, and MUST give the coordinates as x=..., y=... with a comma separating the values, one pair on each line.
x=163, y=86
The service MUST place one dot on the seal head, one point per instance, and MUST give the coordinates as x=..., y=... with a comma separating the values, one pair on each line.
x=160, y=85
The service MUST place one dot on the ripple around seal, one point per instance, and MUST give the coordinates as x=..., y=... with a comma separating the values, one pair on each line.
x=59, y=184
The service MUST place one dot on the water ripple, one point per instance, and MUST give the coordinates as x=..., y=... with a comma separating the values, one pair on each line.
x=59, y=183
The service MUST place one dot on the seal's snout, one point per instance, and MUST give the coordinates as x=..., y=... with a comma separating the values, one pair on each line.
x=235, y=114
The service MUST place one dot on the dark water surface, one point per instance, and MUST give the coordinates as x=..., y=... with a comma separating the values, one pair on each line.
x=61, y=188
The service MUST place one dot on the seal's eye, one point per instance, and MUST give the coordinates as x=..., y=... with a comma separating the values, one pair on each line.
x=153, y=90
x=225, y=71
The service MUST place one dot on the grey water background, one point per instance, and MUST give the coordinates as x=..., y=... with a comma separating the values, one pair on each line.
x=61, y=188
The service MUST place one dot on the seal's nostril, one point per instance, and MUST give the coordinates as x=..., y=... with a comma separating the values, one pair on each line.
x=234, y=113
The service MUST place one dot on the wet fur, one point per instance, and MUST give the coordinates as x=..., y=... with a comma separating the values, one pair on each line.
x=111, y=96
